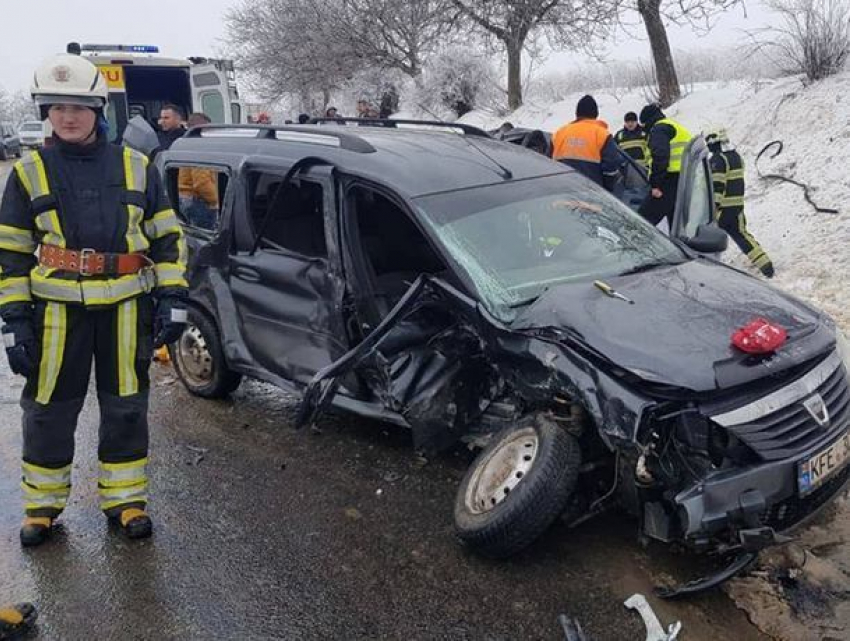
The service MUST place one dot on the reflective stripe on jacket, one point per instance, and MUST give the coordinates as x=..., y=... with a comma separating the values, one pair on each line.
x=727, y=174
x=635, y=144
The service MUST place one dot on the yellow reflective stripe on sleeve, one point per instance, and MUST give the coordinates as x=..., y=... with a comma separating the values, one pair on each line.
x=15, y=290
x=128, y=383
x=135, y=180
x=16, y=239
x=171, y=275
x=162, y=224
x=734, y=173
x=52, y=350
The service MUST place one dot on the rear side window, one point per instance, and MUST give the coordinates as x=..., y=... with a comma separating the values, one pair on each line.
x=290, y=218
x=198, y=193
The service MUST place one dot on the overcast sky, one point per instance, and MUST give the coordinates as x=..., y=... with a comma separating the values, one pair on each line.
x=32, y=30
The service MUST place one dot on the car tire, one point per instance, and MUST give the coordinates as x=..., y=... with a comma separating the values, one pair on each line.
x=507, y=500
x=199, y=359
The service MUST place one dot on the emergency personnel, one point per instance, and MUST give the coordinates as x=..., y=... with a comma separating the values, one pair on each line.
x=667, y=141
x=632, y=140
x=107, y=285
x=727, y=173
x=586, y=145
x=16, y=621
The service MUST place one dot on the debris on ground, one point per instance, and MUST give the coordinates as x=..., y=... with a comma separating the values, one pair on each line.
x=654, y=630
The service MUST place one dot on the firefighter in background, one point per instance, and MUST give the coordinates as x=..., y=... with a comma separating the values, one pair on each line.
x=667, y=140
x=632, y=140
x=727, y=174
x=586, y=145
x=106, y=285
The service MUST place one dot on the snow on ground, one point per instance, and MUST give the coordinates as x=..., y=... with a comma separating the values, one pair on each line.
x=798, y=592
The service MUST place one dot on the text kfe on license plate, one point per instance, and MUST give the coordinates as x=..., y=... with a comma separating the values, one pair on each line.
x=821, y=466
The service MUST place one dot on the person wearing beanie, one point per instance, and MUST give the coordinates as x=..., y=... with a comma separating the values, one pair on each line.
x=632, y=140
x=667, y=140
x=586, y=145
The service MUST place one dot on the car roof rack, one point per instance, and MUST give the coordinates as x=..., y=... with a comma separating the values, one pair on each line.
x=468, y=130
x=293, y=133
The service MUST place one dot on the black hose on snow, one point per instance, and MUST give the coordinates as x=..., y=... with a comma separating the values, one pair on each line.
x=778, y=144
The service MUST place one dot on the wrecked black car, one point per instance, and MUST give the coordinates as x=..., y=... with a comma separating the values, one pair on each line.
x=474, y=291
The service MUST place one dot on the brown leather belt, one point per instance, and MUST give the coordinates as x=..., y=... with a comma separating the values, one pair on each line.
x=88, y=262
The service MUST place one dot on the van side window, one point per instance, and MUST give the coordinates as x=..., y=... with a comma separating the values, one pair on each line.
x=296, y=215
x=197, y=193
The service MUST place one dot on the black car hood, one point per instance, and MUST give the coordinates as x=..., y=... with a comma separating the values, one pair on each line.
x=678, y=330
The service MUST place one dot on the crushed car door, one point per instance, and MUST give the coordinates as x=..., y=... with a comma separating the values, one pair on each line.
x=693, y=221
x=285, y=287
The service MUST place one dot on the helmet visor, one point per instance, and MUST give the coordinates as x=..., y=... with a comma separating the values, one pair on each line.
x=47, y=100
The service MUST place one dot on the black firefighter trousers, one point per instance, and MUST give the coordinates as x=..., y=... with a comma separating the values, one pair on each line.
x=118, y=338
x=733, y=221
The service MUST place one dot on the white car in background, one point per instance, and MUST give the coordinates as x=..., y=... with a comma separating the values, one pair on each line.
x=31, y=134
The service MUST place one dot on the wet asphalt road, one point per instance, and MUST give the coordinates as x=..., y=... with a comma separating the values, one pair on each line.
x=267, y=533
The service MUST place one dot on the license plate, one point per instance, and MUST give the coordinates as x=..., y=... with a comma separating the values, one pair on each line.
x=814, y=471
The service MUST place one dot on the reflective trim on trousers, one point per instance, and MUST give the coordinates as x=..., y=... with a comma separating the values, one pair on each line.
x=52, y=350
x=15, y=239
x=122, y=483
x=15, y=290
x=45, y=478
x=128, y=382
x=35, y=499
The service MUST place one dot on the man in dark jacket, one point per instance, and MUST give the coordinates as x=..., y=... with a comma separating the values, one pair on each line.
x=171, y=125
x=586, y=145
x=667, y=142
x=632, y=140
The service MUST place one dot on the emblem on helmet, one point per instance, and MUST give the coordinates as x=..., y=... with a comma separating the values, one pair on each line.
x=61, y=73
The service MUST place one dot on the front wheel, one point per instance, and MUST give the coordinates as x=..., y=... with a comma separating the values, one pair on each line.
x=199, y=359
x=516, y=488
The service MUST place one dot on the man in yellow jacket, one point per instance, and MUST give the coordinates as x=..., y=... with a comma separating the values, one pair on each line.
x=586, y=145
x=198, y=188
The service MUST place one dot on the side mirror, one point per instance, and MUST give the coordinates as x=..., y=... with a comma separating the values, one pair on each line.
x=709, y=239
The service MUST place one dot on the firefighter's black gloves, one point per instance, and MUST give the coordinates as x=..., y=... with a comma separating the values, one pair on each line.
x=21, y=346
x=170, y=319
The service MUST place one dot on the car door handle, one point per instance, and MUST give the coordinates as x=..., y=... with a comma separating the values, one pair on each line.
x=248, y=274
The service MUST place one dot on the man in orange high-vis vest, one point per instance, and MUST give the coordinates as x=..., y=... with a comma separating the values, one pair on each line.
x=586, y=145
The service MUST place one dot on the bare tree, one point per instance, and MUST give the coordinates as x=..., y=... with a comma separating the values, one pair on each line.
x=286, y=47
x=510, y=23
x=393, y=34
x=699, y=14
x=813, y=38
x=16, y=107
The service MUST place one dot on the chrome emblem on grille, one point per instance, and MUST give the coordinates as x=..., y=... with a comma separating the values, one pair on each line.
x=817, y=408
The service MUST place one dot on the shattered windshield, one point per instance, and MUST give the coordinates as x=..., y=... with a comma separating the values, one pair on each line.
x=518, y=239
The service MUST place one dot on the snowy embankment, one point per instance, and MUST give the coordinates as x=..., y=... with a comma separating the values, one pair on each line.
x=809, y=249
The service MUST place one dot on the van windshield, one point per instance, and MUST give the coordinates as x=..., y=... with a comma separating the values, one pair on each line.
x=517, y=239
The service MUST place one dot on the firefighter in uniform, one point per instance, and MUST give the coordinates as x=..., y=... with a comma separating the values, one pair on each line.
x=667, y=140
x=632, y=140
x=727, y=173
x=92, y=268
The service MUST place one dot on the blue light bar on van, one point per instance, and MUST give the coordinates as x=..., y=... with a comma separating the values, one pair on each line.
x=123, y=48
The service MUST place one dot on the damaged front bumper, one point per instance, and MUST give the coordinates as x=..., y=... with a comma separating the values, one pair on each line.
x=748, y=508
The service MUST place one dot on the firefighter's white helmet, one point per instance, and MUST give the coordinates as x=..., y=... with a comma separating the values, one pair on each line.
x=69, y=80
x=717, y=137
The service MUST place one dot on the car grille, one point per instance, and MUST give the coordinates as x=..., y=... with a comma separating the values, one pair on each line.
x=780, y=426
x=791, y=511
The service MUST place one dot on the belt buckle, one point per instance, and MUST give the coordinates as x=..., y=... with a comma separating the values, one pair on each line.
x=147, y=278
x=85, y=254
